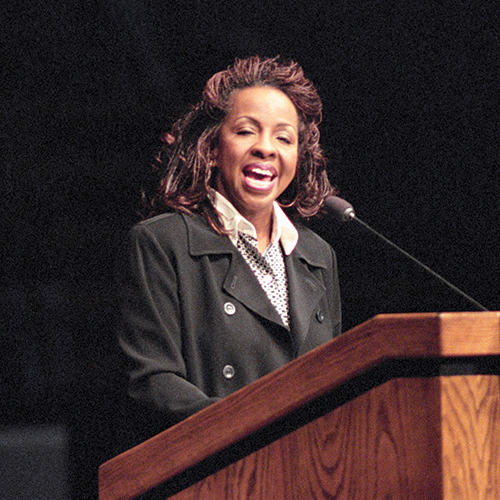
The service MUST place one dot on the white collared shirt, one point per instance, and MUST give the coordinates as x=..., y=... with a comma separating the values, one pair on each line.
x=283, y=229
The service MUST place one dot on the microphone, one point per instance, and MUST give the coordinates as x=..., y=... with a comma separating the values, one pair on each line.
x=342, y=211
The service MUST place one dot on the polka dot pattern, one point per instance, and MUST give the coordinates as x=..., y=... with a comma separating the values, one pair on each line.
x=269, y=268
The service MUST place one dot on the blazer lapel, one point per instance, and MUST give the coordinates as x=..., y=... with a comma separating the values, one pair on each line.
x=305, y=289
x=242, y=284
x=239, y=282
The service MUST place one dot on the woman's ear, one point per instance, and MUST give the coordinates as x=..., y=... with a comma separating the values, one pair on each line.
x=213, y=158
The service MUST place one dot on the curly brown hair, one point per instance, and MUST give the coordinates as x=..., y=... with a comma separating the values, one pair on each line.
x=185, y=159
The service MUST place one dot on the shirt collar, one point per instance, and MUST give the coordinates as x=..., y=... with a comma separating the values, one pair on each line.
x=283, y=229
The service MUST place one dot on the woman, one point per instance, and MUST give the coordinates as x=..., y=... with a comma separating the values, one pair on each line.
x=222, y=287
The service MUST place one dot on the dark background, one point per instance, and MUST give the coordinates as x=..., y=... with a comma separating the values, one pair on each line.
x=411, y=129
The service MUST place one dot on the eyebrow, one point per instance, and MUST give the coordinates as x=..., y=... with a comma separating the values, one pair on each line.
x=256, y=122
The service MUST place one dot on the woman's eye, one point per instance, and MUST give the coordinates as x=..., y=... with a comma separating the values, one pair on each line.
x=286, y=140
x=244, y=132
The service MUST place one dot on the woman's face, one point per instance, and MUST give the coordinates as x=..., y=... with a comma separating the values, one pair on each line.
x=258, y=149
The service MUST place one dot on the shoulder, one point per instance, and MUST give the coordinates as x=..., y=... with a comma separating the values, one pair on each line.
x=157, y=236
x=309, y=239
x=313, y=248
x=180, y=231
x=170, y=226
x=159, y=224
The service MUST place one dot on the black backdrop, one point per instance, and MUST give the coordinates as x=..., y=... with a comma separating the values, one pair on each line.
x=411, y=128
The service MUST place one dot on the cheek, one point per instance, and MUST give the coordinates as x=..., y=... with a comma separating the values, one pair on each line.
x=226, y=151
x=293, y=163
x=290, y=174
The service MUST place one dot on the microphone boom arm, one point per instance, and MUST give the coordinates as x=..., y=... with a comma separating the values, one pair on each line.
x=343, y=211
x=421, y=264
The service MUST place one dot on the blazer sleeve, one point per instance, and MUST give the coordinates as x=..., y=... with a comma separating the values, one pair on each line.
x=150, y=334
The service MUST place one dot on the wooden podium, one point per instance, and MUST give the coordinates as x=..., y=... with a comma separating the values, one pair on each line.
x=402, y=407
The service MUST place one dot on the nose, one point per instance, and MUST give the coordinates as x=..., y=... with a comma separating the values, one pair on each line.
x=263, y=147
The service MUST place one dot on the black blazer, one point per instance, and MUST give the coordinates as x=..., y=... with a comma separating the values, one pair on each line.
x=197, y=325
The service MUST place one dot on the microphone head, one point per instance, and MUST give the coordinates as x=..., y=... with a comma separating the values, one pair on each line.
x=339, y=209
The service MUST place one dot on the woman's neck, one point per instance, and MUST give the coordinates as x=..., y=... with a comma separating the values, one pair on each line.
x=264, y=228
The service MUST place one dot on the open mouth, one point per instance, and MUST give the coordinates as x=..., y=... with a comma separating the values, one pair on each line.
x=258, y=174
x=258, y=178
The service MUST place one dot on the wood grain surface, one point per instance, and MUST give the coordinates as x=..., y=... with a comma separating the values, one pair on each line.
x=407, y=437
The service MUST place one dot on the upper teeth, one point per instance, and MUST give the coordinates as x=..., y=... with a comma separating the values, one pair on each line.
x=261, y=171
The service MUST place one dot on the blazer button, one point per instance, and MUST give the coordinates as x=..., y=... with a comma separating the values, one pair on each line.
x=320, y=316
x=228, y=372
x=229, y=308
